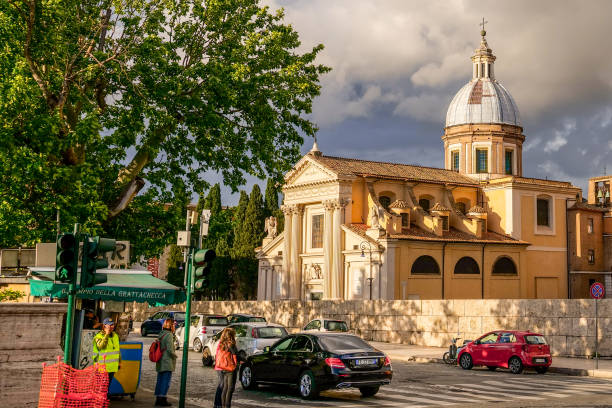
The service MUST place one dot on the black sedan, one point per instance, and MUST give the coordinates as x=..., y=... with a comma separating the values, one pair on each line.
x=314, y=362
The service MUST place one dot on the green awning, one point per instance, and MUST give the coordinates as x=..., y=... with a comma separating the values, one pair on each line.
x=123, y=286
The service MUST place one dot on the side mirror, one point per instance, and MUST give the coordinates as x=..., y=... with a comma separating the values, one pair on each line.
x=266, y=349
x=476, y=342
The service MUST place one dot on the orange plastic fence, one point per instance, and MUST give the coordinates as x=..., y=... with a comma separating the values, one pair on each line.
x=65, y=387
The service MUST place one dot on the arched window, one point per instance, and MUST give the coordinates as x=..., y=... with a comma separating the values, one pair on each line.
x=425, y=204
x=505, y=266
x=461, y=207
x=425, y=264
x=467, y=266
x=384, y=201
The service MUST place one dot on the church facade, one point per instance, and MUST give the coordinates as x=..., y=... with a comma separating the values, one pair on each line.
x=359, y=229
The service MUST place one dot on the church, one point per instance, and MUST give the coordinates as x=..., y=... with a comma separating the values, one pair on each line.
x=476, y=228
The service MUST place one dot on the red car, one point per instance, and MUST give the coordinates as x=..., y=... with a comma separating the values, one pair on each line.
x=514, y=350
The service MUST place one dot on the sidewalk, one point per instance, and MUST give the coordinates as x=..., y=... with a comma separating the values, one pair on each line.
x=561, y=365
x=145, y=398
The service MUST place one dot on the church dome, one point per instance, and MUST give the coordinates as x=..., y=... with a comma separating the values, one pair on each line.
x=482, y=100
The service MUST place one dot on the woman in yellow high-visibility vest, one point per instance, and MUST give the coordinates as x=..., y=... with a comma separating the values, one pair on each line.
x=106, y=349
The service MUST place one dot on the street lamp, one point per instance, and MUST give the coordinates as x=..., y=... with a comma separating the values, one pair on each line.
x=363, y=246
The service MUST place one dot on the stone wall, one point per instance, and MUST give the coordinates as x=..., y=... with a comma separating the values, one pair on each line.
x=569, y=325
x=30, y=336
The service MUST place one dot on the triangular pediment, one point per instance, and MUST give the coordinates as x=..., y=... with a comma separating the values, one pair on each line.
x=308, y=171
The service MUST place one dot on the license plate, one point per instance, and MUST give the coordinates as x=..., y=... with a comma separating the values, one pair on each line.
x=540, y=360
x=366, y=361
x=215, y=331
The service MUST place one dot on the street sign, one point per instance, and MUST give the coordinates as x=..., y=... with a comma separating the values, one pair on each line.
x=597, y=290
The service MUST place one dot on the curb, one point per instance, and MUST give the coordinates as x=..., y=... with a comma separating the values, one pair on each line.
x=579, y=372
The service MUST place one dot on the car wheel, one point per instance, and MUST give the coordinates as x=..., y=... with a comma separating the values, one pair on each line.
x=369, y=391
x=143, y=332
x=207, y=359
x=492, y=368
x=197, y=345
x=246, y=378
x=307, y=385
x=515, y=365
x=541, y=370
x=466, y=361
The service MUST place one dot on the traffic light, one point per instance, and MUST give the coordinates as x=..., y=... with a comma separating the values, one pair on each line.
x=66, y=258
x=203, y=261
x=93, y=248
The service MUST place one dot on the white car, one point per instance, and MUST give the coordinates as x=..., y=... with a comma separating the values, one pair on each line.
x=326, y=325
x=203, y=326
x=251, y=338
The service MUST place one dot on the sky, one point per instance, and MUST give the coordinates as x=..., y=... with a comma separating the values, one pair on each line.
x=396, y=65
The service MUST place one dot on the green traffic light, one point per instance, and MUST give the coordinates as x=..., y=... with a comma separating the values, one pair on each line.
x=203, y=259
x=66, y=257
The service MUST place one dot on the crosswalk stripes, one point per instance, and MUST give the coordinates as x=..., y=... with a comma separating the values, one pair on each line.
x=417, y=395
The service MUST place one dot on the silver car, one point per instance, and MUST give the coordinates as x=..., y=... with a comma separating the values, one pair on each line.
x=325, y=325
x=203, y=326
x=251, y=338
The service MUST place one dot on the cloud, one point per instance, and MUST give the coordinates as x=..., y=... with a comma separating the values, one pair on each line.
x=561, y=135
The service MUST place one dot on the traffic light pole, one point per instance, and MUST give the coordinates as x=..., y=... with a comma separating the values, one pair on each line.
x=186, y=330
x=70, y=312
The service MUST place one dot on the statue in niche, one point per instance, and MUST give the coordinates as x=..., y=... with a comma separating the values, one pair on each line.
x=271, y=227
x=315, y=272
x=375, y=222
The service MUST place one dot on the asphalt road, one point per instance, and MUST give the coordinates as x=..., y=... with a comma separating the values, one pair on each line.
x=413, y=385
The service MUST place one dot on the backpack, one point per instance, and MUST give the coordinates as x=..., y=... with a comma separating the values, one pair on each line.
x=224, y=360
x=156, y=351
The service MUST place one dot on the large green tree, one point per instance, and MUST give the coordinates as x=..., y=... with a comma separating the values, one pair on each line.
x=99, y=99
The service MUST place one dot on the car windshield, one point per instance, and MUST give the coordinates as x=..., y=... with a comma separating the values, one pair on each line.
x=257, y=319
x=217, y=321
x=179, y=316
x=271, y=332
x=533, y=339
x=332, y=343
x=335, y=325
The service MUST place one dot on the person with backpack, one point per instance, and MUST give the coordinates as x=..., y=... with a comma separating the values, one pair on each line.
x=226, y=364
x=164, y=354
x=106, y=349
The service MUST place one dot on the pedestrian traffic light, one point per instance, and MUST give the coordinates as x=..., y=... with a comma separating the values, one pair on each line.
x=93, y=249
x=203, y=261
x=66, y=258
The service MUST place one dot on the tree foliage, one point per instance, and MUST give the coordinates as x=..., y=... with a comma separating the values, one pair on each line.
x=101, y=98
x=10, y=295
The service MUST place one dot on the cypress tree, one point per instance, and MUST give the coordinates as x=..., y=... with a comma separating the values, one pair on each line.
x=248, y=237
x=213, y=200
x=176, y=275
x=271, y=201
x=237, y=221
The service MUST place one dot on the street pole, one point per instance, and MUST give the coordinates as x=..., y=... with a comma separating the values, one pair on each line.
x=596, y=338
x=70, y=312
x=370, y=278
x=186, y=331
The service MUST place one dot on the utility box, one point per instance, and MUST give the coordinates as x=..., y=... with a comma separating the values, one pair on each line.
x=184, y=239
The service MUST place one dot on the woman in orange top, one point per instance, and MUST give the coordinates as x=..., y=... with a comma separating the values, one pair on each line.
x=226, y=364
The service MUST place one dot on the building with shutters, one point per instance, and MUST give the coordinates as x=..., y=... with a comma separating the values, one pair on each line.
x=476, y=228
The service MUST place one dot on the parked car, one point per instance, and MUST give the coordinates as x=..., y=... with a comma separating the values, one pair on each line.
x=251, y=338
x=153, y=324
x=241, y=318
x=514, y=350
x=323, y=325
x=314, y=362
x=202, y=327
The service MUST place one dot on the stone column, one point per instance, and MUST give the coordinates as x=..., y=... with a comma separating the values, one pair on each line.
x=327, y=248
x=284, y=292
x=296, y=247
x=337, y=282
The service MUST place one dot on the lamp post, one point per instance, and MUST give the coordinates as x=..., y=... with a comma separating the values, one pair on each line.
x=363, y=246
